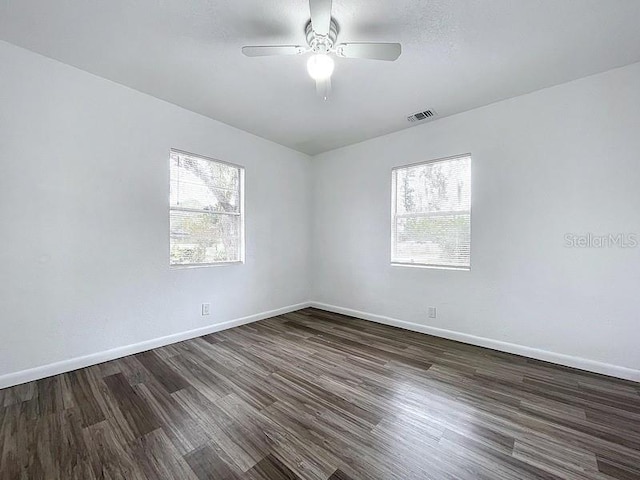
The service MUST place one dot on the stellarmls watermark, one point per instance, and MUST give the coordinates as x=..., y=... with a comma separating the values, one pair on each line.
x=611, y=240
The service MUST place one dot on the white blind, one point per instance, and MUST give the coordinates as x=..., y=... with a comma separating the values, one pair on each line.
x=205, y=211
x=432, y=214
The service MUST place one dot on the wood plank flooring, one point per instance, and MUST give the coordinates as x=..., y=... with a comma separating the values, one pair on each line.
x=314, y=395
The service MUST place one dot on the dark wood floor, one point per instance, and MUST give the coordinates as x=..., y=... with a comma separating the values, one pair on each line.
x=316, y=395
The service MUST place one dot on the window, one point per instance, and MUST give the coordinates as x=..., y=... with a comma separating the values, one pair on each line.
x=206, y=211
x=432, y=214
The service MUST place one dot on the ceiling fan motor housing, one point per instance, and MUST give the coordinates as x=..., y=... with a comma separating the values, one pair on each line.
x=322, y=43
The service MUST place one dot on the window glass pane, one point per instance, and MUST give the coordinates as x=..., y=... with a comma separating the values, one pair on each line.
x=434, y=187
x=434, y=240
x=204, y=237
x=202, y=184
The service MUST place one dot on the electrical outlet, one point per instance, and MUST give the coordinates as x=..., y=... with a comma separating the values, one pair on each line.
x=206, y=308
x=433, y=312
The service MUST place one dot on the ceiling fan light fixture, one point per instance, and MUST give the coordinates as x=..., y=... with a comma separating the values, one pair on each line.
x=320, y=66
x=321, y=33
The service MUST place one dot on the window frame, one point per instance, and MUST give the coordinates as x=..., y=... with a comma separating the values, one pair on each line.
x=241, y=214
x=395, y=215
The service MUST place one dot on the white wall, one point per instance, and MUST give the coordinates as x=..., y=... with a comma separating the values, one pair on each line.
x=84, y=217
x=84, y=221
x=561, y=160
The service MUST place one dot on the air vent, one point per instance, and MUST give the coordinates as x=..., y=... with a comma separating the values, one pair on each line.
x=418, y=117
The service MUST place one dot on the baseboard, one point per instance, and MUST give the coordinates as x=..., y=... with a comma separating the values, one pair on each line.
x=547, y=356
x=56, y=368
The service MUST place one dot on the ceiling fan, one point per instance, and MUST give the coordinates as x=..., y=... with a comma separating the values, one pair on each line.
x=322, y=33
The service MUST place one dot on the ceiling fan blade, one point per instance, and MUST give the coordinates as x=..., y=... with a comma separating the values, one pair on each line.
x=373, y=51
x=262, y=51
x=320, y=16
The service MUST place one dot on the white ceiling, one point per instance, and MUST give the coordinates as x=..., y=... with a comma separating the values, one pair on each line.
x=457, y=55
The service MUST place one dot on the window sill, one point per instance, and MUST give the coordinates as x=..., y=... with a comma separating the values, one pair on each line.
x=204, y=265
x=432, y=267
